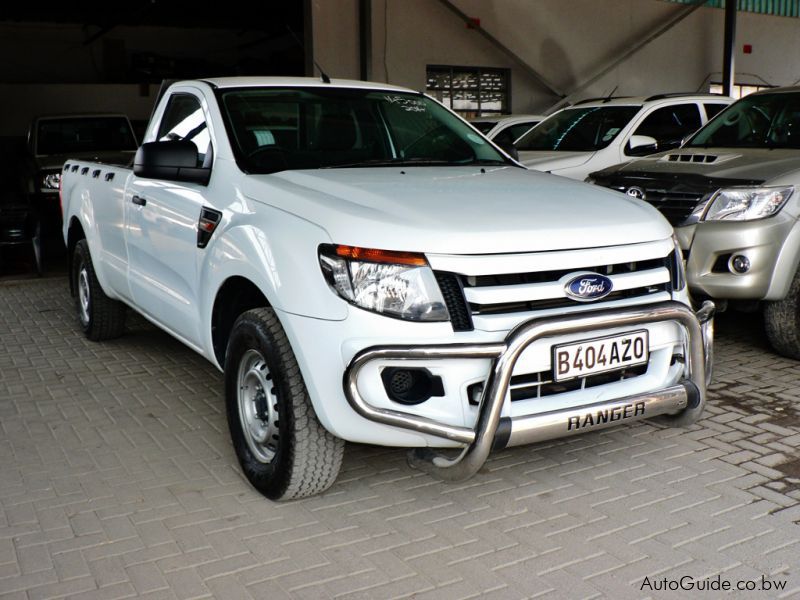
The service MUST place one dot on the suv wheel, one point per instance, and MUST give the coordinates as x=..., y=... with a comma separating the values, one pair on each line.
x=782, y=321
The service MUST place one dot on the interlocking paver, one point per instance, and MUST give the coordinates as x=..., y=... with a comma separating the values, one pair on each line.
x=118, y=480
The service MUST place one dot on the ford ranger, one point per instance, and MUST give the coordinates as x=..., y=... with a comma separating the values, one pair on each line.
x=731, y=193
x=363, y=265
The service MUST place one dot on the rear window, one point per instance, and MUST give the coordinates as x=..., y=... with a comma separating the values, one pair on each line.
x=84, y=134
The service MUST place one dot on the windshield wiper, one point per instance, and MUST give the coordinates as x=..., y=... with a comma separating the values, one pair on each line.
x=393, y=162
x=419, y=162
x=485, y=161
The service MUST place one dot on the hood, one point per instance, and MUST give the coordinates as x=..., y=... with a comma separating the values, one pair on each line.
x=458, y=210
x=547, y=160
x=755, y=164
x=56, y=161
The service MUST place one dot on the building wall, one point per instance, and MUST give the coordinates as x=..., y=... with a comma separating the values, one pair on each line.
x=335, y=32
x=567, y=42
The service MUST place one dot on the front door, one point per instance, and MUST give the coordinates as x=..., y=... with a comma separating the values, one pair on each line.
x=162, y=230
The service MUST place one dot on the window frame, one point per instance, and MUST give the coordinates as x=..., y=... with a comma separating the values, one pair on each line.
x=478, y=71
x=634, y=131
x=207, y=156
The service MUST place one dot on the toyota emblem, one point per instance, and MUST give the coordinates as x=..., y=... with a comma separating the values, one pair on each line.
x=635, y=192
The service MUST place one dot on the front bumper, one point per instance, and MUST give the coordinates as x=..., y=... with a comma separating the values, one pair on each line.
x=679, y=404
x=763, y=242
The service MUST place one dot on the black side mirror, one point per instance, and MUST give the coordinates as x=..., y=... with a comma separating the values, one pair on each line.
x=171, y=160
x=508, y=148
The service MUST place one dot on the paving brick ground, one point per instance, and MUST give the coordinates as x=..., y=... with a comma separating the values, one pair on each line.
x=117, y=480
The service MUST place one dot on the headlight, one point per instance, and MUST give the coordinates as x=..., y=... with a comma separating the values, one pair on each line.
x=51, y=181
x=397, y=284
x=747, y=203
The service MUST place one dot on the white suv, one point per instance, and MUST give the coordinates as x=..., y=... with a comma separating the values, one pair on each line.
x=598, y=133
x=506, y=129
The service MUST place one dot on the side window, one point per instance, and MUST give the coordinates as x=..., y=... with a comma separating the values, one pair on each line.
x=712, y=110
x=184, y=120
x=517, y=131
x=669, y=125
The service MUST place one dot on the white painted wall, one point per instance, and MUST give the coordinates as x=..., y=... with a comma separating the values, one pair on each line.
x=567, y=41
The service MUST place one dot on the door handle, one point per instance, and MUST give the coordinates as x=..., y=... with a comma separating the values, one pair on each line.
x=138, y=200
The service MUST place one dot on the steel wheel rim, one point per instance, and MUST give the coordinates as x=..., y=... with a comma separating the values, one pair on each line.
x=258, y=406
x=84, y=294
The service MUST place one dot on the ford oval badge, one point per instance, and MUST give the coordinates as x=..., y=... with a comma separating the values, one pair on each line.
x=588, y=287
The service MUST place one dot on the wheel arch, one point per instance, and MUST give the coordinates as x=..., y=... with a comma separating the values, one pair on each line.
x=236, y=295
x=75, y=234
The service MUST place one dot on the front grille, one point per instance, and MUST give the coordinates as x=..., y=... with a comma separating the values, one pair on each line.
x=512, y=307
x=470, y=298
x=546, y=283
x=541, y=384
x=450, y=285
x=676, y=206
x=674, y=194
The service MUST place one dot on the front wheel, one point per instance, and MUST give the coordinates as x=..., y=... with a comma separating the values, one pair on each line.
x=782, y=321
x=283, y=450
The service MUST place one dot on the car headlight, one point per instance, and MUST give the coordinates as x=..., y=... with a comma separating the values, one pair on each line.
x=51, y=181
x=747, y=203
x=397, y=284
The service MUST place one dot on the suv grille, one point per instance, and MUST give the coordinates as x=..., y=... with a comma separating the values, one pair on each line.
x=675, y=195
x=675, y=205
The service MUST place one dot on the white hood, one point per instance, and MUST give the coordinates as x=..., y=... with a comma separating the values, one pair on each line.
x=543, y=160
x=459, y=210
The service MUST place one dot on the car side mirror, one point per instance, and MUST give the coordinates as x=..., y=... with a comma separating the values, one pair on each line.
x=508, y=148
x=641, y=145
x=174, y=160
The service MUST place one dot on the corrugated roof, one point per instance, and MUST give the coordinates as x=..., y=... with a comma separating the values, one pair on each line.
x=779, y=8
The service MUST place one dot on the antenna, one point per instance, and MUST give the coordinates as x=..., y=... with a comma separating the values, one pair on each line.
x=611, y=93
x=322, y=74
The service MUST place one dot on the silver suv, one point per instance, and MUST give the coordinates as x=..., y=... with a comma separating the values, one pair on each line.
x=730, y=192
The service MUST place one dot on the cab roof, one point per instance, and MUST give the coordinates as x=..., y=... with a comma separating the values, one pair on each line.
x=239, y=82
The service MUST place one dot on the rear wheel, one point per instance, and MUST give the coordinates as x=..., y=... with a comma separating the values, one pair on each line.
x=283, y=450
x=782, y=321
x=100, y=317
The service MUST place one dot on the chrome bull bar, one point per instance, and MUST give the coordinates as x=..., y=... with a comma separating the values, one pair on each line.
x=678, y=405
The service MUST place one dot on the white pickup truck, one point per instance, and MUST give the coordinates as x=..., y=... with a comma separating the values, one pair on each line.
x=363, y=265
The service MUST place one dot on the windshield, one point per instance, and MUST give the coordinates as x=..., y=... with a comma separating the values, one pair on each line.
x=274, y=129
x=756, y=121
x=84, y=134
x=578, y=129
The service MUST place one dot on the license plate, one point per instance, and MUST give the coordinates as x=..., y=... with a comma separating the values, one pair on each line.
x=598, y=355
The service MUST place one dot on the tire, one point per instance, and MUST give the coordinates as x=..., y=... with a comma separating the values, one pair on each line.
x=283, y=450
x=782, y=322
x=100, y=317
